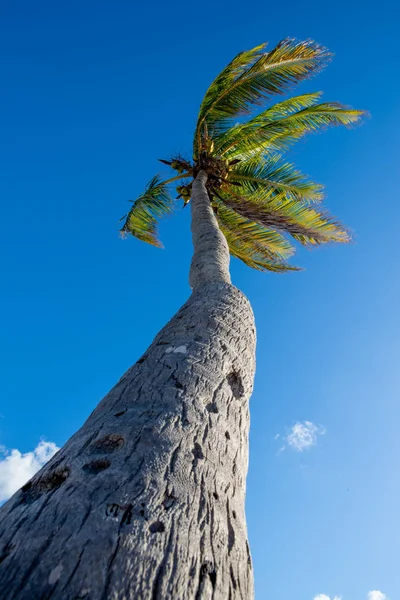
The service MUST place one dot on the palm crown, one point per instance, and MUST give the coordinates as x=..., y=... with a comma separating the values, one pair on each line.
x=258, y=198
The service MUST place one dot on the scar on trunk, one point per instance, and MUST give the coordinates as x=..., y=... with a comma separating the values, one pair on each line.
x=52, y=480
x=198, y=452
x=207, y=568
x=96, y=466
x=168, y=501
x=235, y=382
x=108, y=443
x=120, y=413
x=157, y=527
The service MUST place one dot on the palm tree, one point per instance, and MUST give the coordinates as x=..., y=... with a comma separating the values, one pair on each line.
x=146, y=500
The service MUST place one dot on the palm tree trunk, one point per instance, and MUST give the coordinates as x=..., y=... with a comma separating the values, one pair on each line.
x=146, y=500
x=210, y=262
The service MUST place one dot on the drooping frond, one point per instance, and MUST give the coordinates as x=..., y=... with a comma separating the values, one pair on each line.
x=275, y=129
x=154, y=203
x=268, y=178
x=263, y=75
x=304, y=223
x=258, y=247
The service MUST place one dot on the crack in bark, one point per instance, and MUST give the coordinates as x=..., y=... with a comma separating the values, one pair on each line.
x=32, y=566
x=207, y=571
x=174, y=458
x=85, y=518
x=109, y=574
x=66, y=584
x=8, y=548
x=158, y=579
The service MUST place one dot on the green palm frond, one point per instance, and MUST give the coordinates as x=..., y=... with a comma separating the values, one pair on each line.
x=269, y=132
x=268, y=178
x=305, y=224
x=228, y=140
x=264, y=75
x=261, y=202
x=257, y=246
x=225, y=79
x=291, y=105
x=154, y=203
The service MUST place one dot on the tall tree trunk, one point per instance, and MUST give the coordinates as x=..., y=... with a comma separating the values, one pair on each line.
x=146, y=500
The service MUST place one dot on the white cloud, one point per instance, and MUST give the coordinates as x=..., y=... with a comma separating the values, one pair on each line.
x=302, y=436
x=372, y=595
x=376, y=595
x=17, y=468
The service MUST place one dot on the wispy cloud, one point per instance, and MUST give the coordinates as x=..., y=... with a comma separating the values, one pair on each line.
x=302, y=436
x=17, y=468
x=372, y=595
x=376, y=595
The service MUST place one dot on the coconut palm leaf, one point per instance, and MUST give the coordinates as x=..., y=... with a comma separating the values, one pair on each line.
x=305, y=224
x=271, y=177
x=267, y=132
x=234, y=70
x=224, y=80
x=291, y=105
x=229, y=139
x=267, y=74
x=141, y=220
x=257, y=246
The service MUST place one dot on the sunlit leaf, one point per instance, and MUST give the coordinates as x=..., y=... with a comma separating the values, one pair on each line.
x=257, y=246
x=262, y=75
x=269, y=132
x=154, y=203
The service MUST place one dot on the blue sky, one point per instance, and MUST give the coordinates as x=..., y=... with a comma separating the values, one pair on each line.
x=92, y=94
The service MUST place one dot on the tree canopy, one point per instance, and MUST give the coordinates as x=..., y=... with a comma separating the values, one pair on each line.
x=260, y=200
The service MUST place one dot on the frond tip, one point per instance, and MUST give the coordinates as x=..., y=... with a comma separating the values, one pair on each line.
x=154, y=203
x=255, y=76
x=279, y=127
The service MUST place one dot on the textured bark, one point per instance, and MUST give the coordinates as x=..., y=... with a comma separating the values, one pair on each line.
x=210, y=260
x=146, y=500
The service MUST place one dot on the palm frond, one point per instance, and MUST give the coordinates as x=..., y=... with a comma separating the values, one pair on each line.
x=228, y=75
x=290, y=106
x=154, y=203
x=266, y=74
x=278, y=111
x=257, y=246
x=305, y=224
x=267, y=132
x=268, y=178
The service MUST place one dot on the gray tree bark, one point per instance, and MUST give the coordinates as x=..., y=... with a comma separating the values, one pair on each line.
x=146, y=500
x=210, y=260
